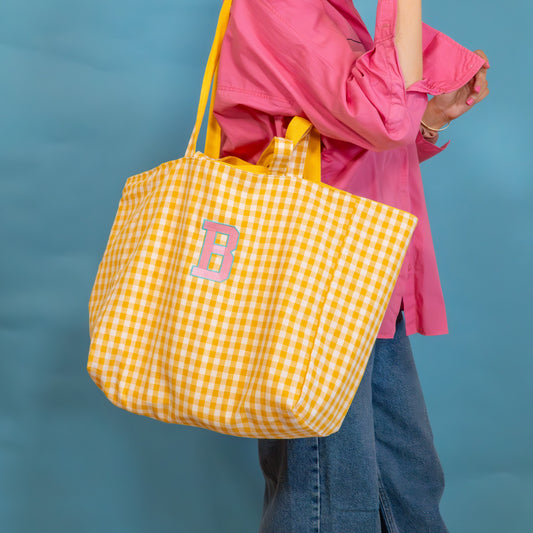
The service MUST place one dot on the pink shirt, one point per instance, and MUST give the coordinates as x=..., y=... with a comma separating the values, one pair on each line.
x=316, y=59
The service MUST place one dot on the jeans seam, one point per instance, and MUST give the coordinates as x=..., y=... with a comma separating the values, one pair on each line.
x=386, y=508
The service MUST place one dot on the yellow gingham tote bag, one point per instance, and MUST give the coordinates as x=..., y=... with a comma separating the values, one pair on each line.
x=242, y=298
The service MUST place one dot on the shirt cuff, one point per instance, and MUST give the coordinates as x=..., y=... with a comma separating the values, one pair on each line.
x=426, y=148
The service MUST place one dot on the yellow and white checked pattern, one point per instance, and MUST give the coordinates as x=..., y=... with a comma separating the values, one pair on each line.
x=279, y=348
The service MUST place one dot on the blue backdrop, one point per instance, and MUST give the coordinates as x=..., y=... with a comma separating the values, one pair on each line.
x=95, y=91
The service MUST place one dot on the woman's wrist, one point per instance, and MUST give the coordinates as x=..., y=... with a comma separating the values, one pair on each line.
x=434, y=118
x=428, y=135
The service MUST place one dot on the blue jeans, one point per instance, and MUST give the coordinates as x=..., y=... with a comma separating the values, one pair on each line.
x=379, y=473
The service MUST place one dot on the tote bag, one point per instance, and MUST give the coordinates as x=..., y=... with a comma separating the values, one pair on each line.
x=242, y=298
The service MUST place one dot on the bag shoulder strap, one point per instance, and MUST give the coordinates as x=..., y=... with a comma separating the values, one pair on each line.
x=297, y=130
x=209, y=75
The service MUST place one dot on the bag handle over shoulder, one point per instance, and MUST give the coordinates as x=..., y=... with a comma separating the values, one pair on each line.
x=276, y=157
x=210, y=75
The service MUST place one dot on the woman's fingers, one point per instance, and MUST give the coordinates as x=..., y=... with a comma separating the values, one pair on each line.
x=482, y=54
x=483, y=95
x=477, y=96
x=479, y=84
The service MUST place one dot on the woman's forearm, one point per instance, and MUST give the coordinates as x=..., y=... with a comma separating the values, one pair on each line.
x=408, y=39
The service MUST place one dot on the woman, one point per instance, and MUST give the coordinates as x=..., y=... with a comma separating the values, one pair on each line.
x=369, y=100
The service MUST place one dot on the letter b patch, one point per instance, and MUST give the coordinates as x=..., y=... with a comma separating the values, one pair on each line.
x=210, y=248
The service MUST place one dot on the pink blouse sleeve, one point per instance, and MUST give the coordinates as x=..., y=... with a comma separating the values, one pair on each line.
x=298, y=56
x=447, y=66
x=282, y=57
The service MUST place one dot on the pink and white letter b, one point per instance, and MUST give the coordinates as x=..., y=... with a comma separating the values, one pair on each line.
x=210, y=247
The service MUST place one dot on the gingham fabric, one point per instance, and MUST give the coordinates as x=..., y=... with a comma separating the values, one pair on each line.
x=242, y=302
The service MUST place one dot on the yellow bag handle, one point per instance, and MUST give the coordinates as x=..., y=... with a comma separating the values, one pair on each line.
x=209, y=75
x=297, y=129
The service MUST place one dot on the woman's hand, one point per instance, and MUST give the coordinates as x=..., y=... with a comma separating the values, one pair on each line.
x=444, y=108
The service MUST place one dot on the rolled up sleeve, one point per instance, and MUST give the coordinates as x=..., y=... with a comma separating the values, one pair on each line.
x=301, y=58
x=285, y=60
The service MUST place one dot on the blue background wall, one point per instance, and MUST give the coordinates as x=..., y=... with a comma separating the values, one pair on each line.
x=93, y=92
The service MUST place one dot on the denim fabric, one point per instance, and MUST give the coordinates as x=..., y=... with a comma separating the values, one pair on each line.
x=379, y=472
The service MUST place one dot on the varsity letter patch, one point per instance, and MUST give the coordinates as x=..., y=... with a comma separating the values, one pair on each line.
x=211, y=247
